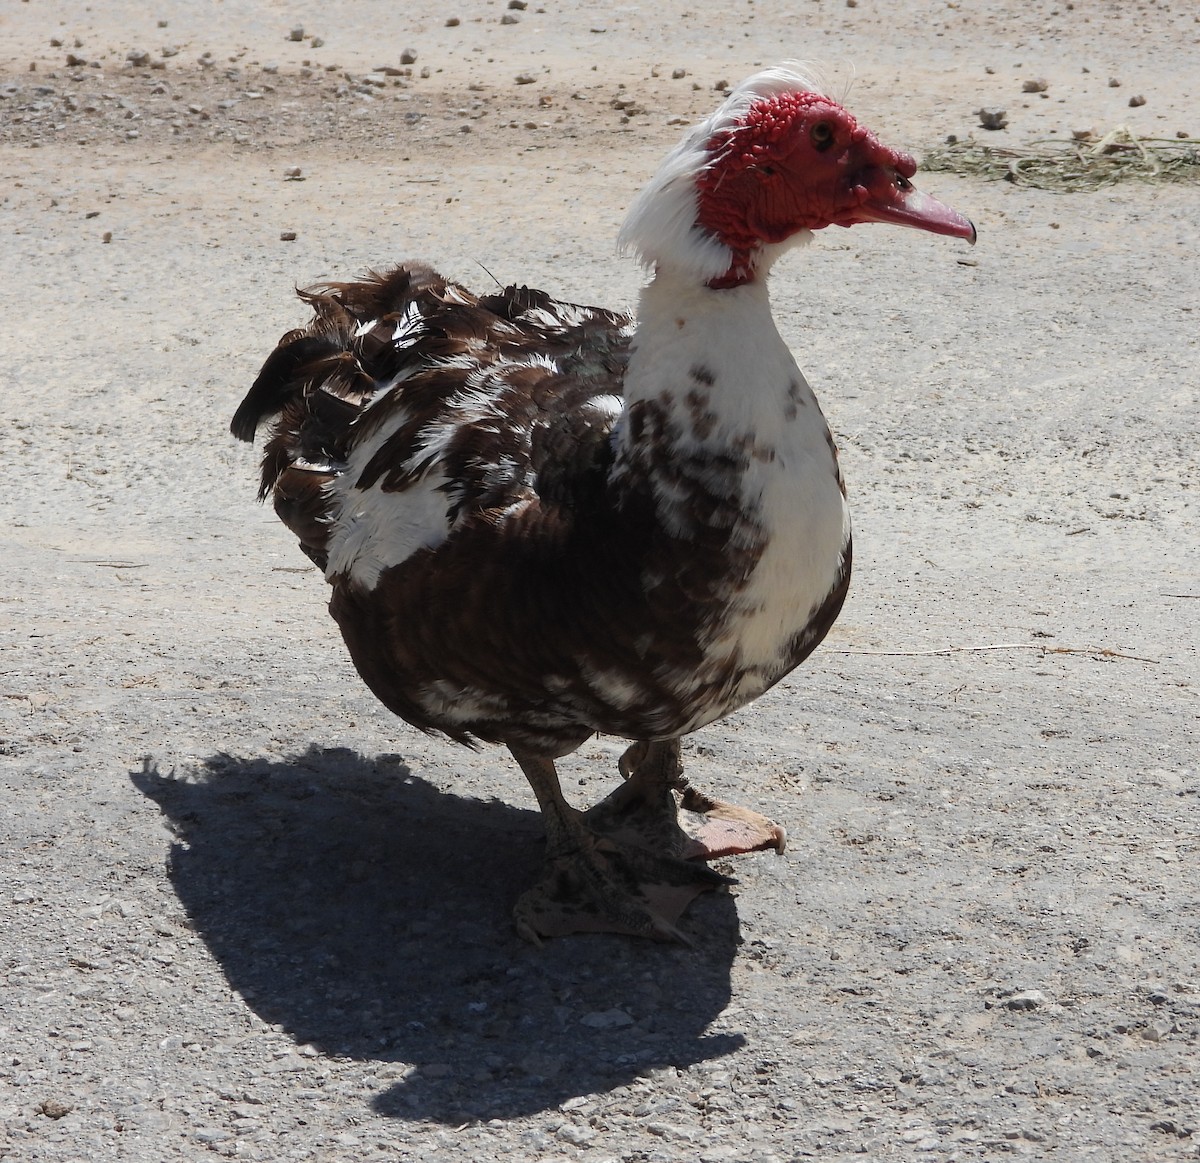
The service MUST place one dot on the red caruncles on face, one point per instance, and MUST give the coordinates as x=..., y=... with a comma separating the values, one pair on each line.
x=799, y=161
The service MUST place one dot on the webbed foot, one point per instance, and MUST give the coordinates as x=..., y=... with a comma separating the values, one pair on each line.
x=634, y=862
x=643, y=811
x=603, y=886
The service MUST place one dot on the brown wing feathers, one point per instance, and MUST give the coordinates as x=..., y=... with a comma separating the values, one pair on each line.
x=412, y=325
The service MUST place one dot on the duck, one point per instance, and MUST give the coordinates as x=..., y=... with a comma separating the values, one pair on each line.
x=541, y=521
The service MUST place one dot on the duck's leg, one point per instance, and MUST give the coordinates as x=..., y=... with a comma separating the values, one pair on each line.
x=643, y=812
x=595, y=883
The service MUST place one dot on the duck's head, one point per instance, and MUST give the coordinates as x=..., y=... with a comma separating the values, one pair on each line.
x=778, y=160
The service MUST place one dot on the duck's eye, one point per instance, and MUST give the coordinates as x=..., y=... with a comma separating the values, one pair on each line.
x=821, y=135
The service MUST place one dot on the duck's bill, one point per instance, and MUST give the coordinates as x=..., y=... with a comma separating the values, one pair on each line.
x=904, y=205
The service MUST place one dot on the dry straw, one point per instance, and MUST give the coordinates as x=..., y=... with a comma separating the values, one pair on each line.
x=1073, y=166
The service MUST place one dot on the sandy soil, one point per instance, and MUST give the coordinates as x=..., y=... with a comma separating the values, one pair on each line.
x=243, y=911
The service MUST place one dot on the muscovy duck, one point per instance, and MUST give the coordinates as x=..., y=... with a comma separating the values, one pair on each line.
x=542, y=520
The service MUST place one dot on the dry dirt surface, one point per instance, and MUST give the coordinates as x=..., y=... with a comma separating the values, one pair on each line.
x=245, y=912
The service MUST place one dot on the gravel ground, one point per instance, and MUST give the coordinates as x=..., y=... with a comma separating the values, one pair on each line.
x=245, y=912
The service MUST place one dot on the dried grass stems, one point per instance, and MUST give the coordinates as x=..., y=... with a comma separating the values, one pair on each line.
x=1075, y=166
x=1091, y=651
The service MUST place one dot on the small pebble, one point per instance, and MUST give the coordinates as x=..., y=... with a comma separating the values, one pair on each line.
x=287, y=236
x=678, y=74
x=408, y=56
x=293, y=174
x=525, y=78
x=668, y=1131
x=106, y=236
x=137, y=57
x=518, y=5
x=510, y=18
x=993, y=118
x=577, y=1136
x=1035, y=85
x=316, y=42
x=211, y=1135
x=453, y=22
x=297, y=33
x=1026, y=999
x=1134, y=102
x=606, y=1020
x=53, y=1109
x=1113, y=83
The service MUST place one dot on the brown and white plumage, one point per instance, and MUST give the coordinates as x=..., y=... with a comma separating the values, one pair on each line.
x=541, y=520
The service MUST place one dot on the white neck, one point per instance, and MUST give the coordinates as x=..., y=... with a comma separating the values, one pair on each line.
x=722, y=345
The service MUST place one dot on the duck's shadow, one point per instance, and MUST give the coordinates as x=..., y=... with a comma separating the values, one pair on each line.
x=368, y=914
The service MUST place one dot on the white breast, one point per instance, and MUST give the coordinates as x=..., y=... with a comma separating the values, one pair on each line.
x=807, y=524
x=758, y=404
